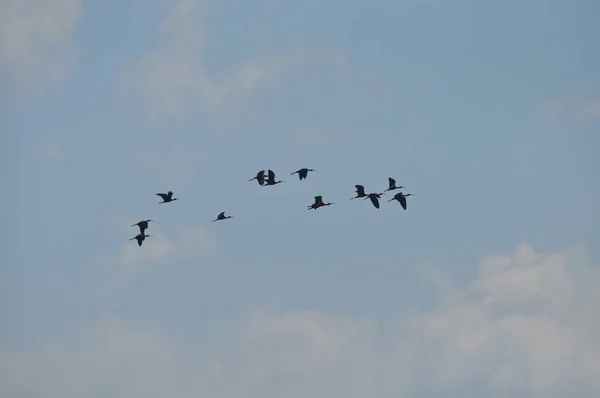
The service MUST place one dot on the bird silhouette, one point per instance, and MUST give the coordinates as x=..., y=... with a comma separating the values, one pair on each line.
x=318, y=203
x=260, y=177
x=302, y=173
x=167, y=197
x=401, y=197
x=143, y=225
x=392, y=185
x=140, y=238
x=222, y=216
x=271, y=179
x=360, y=192
x=374, y=198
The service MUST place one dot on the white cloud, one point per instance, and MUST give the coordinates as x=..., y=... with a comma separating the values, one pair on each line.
x=174, y=168
x=36, y=41
x=173, y=83
x=528, y=326
x=569, y=112
x=53, y=151
x=158, y=248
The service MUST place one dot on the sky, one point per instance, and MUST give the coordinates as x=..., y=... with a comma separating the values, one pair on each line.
x=486, y=285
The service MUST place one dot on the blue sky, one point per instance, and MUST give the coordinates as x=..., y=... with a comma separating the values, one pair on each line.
x=488, y=113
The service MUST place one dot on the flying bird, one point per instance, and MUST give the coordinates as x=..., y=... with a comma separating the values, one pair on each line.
x=392, y=185
x=140, y=238
x=271, y=178
x=222, y=216
x=318, y=203
x=143, y=225
x=401, y=197
x=167, y=197
x=302, y=173
x=260, y=177
x=374, y=198
x=360, y=192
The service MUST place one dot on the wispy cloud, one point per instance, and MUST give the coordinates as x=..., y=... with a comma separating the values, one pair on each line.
x=173, y=84
x=160, y=249
x=526, y=327
x=53, y=151
x=36, y=46
x=174, y=168
x=569, y=112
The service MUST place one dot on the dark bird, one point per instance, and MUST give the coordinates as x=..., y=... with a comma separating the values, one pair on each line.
x=374, y=198
x=167, y=197
x=143, y=225
x=318, y=203
x=260, y=177
x=360, y=192
x=140, y=238
x=302, y=173
x=401, y=197
x=271, y=179
x=222, y=216
x=392, y=185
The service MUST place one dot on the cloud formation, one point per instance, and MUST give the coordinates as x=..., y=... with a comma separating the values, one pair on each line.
x=527, y=326
x=36, y=46
x=172, y=82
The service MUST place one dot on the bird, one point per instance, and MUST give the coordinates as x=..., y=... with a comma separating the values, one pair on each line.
x=392, y=185
x=260, y=177
x=360, y=192
x=140, y=238
x=271, y=178
x=143, y=225
x=302, y=173
x=222, y=216
x=374, y=198
x=167, y=197
x=318, y=203
x=401, y=197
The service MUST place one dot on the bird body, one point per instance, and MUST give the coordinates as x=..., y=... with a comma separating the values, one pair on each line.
x=374, y=198
x=167, y=197
x=392, y=185
x=318, y=203
x=221, y=216
x=271, y=178
x=360, y=192
x=302, y=173
x=260, y=177
x=140, y=238
x=401, y=198
x=143, y=225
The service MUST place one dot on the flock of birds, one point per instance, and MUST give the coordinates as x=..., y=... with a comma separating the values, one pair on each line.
x=269, y=179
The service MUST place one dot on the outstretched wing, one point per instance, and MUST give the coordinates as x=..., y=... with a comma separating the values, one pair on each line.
x=360, y=190
x=164, y=196
x=392, y=182
x=303, y=173
x=402, y=200
x=170, y=194
x=375, y=201
x=222, y=214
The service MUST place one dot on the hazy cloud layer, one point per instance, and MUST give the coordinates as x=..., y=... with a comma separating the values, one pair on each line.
x=173, y=84
x=36, y=46
x=527, y=326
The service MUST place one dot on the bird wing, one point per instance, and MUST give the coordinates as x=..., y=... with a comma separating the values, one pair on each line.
x=360, y=190
x=271, y=174
x=170, y=193
x=318, y=199
x=391, y=181
x=303, y=173
x=222, y=214
x=375, y=201
x=163, y=195
x=402, y=201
